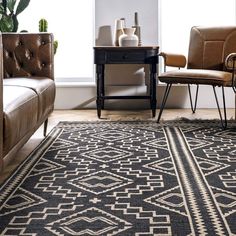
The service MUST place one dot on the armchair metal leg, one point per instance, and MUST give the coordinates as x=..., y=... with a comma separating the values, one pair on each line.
x=223, y=121
x=167, y=91
x=196, y=97
x=234, y=102
x=45, y=127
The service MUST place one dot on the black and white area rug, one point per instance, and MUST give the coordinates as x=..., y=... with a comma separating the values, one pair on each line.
x=125, y=178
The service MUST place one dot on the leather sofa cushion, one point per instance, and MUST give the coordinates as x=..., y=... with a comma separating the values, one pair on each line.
x=197, y=76
x=44, y=87
x=20, y=110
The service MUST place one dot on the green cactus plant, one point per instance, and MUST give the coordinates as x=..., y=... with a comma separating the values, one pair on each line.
x=9, y=10
x=43, y=27
x=55, y=44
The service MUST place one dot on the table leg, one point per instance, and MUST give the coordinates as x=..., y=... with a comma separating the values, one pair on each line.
x=153, y=101
x=100, y=88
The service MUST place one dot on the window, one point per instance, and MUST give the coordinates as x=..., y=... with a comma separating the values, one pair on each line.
x=72, y=23
x=177, y=18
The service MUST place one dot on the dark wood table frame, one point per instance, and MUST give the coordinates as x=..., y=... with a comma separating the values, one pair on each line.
x=125, y=55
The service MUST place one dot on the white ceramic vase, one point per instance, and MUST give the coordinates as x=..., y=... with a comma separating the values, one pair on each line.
x=119, y=25
x=128, y=38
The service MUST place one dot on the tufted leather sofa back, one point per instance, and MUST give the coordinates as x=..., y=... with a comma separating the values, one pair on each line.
x=23, y=53
x=209, y=46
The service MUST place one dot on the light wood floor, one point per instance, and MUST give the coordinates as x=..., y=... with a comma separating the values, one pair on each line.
x=111, y=115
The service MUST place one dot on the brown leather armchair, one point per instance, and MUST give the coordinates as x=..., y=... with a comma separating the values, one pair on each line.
x=211, y=61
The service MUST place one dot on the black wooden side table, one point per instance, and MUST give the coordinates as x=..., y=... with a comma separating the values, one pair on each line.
x=125, y=55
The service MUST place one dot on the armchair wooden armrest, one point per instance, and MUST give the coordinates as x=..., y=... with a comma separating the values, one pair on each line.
x=175, y=60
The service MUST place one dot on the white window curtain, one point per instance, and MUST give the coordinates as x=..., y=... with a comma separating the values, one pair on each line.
x=72, y=23
x=177, y=18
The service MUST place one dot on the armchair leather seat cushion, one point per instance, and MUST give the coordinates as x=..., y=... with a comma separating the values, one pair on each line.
x=43, y=87
x=20, y=113
x=197, y=76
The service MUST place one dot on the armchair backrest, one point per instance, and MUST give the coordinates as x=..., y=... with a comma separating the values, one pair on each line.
x=209, y=46
x=28, y=54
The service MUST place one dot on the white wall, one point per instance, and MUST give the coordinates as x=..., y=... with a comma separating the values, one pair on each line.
x=132, y=82
x=72, y=25
x=106, y=11
x=120, y=79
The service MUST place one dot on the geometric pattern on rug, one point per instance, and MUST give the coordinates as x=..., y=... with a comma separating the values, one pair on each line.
x=107, y=154
x=100, y=182
x=125, y=178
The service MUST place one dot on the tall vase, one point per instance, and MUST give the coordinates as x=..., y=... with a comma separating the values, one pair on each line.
x=128, y=38
x=119, y=25
x=137, y=27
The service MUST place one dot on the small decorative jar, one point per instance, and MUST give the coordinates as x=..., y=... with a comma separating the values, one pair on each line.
x=128, y=38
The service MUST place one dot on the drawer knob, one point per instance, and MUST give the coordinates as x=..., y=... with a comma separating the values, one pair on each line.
x=125, y=56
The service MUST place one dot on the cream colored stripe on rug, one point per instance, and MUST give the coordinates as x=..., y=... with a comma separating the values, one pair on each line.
x=203, y=211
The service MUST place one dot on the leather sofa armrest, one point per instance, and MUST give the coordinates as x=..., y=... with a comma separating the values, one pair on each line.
x=175, y=60
x=28, y=55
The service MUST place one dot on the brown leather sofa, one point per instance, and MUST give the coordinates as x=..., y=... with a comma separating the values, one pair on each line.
x=27, y=89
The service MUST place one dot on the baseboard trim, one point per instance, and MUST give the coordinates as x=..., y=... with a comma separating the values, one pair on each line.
x=81, y=95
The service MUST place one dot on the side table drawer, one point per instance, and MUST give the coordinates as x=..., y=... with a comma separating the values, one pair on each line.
x=124, y=57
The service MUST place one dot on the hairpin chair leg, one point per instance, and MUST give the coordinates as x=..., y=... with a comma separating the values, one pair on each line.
x=45, y=127
x=235, y=106
x=191, y=100
x=223, y=122
x=234, y=89
x=167, y=91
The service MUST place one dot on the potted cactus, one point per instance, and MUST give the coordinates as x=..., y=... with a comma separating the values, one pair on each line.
x=43, y=27
x=9, y=10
